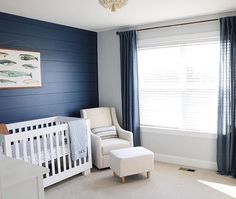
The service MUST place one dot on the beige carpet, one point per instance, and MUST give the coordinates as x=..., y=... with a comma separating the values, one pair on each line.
x=166, y=182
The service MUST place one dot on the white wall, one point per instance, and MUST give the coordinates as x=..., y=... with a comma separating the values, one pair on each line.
x=109, y=70
x=186, y=148
x=176, y=147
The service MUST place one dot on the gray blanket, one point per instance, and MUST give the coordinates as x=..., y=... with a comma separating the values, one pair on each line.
x=78, y=139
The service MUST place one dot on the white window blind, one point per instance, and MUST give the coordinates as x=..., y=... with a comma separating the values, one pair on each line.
x=178, y=86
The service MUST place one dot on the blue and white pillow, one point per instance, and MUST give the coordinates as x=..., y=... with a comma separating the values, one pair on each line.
x=105, y=132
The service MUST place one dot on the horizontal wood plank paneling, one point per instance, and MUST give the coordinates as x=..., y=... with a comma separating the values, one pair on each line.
x=68, y=66
x=23, y=101
x=56, y=66
x=53, y=88
x=31, y=42
x=71, y=109
x=42, y=23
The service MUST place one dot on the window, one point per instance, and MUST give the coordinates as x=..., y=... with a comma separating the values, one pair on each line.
x=178, y=86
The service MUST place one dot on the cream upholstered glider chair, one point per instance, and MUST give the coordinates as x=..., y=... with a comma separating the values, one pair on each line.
x=100, y=118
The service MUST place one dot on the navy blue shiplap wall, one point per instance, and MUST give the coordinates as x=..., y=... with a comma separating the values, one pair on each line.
x=68, y=66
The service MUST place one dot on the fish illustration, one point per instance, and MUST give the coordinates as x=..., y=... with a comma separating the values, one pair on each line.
x=6, y=81
x=29, y=66
x=6, y=62
x=30, y=81
x=27, y=57
x=2, y=54
x=11, y=73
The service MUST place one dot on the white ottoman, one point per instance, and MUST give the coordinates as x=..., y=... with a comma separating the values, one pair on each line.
x=130, y=161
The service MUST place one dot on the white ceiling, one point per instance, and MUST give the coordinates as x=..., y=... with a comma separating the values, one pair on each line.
x=88, y=14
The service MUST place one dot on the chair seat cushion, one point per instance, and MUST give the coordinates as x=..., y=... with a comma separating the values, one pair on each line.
x=113, y=144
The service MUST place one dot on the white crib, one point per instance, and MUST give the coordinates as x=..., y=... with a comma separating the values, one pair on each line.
x=45, y=142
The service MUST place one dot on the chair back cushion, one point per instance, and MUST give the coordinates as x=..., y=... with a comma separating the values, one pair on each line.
x=99, y=117
x=105, y=132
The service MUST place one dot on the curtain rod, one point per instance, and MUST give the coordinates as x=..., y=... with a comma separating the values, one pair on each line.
x=173, y=25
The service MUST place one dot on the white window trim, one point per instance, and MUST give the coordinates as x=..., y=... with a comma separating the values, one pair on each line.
x=178, y=132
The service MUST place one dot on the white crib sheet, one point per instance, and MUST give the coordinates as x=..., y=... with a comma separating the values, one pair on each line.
x=45, y=155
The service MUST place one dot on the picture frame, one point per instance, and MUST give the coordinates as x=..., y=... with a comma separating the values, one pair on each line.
x=20, y=69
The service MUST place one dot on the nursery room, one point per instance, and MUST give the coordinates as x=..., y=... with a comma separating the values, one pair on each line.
x=118, y=99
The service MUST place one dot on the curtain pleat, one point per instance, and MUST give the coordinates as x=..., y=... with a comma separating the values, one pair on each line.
x=226, y=143
x=129, y=83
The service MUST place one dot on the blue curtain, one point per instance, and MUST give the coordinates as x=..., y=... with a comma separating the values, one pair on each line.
x=226, y=135
x=129, y=83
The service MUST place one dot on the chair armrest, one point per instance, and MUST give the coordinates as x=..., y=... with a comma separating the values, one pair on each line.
x=95, y=139
x=96, y=143
x=126, y=135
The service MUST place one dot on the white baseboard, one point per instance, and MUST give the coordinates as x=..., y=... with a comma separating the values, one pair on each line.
x=196, y=163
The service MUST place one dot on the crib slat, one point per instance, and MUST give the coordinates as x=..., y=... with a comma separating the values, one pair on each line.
x=25, y=156
x=52, y=156
x=68, y=147
x=58, y=153
x=17, y=149
x=63, y=150
x=32, y=155
x=7, y=146
x=39, y=151
x=45, y=152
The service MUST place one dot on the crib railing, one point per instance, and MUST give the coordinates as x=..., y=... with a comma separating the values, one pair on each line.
x=46, y=143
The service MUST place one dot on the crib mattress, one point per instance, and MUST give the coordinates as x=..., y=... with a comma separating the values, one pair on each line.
x=45, y=155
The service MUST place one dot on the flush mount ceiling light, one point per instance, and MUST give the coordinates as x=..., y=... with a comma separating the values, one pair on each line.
x=113, y=5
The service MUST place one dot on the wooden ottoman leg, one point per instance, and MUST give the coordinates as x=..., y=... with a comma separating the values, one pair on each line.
x=148, y=174
x=122, y=179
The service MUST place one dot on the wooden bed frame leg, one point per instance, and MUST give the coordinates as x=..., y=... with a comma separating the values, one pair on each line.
x=148, y=174
x=122, y=179
x=87, y=172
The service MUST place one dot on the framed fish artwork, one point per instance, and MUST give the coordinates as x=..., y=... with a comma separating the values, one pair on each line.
x=19, y=69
